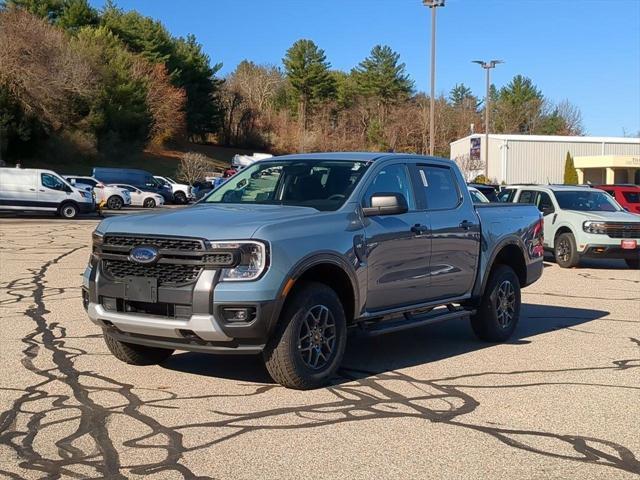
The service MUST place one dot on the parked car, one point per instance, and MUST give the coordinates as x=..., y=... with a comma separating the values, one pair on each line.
x=181, y=191
x=284, y=263
x=628, y=196
x=141, y=198
x=200, y=189
x=30, y=189
x=489, y=191
x=582, y=222
x=477, y=196
x=130, y=176
x=114, y=198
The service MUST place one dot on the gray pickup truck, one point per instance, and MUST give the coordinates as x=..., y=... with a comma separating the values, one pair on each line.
x=293, y=251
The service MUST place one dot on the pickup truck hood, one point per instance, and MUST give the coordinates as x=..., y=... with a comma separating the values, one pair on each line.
x=213, y=221
x=608, y=216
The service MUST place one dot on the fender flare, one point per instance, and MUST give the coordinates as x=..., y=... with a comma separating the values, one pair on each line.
x=510, y=240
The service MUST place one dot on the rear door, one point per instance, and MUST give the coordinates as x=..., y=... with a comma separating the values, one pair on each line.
x=18, y=188
x=455, y=230
x=397, y=246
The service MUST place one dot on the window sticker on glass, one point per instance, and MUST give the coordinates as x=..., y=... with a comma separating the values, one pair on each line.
x=424, y=178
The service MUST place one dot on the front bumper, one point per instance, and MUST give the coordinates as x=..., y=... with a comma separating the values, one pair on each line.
x=87, y=207
x=200, y=325
x=610, y=251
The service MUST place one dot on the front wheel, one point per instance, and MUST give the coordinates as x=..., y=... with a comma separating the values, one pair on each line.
x=180, y=198
x=309, y=343
x=136, y=354
x=149, y=203
x=565, y=251
x=498, y=314
x=114, y=203
x=633, y=263
x=68, y=210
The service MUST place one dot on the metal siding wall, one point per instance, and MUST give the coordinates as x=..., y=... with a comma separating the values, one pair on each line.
x=542, y=162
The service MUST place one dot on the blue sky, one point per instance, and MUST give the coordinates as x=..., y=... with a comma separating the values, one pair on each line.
x=587, y=51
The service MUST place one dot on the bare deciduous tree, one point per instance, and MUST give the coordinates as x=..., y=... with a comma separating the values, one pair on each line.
x=40, y=69
x=194, y=166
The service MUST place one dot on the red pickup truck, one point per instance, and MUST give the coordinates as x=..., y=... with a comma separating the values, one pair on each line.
x=626, y=195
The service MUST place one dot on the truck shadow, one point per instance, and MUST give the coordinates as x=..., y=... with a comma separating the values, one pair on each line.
x=397, y=350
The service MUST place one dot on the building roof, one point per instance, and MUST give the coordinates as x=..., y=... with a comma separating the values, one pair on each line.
x=554, y=138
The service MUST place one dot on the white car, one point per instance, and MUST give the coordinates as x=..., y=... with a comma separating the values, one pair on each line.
x=114, y=197
x=182, y=192
x=31, y=189
x=140, y=198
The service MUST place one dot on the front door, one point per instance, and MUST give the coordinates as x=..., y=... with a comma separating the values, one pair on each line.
x=397, y=246
x=52, y=190
x=455, y=231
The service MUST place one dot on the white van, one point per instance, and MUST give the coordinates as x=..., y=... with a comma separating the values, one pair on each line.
x=30, y=189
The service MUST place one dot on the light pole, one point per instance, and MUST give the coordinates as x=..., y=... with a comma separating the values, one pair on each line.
x=433, y=4
x=487, y=66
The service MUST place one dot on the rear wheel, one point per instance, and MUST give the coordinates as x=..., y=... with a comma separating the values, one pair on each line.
x=180, y=197
x=565, y=251
x=309, y=344
x=499, y=312
x=114, y=203
x=633, y=263
x=149, y=203
x=136, y=354
x=68, y=210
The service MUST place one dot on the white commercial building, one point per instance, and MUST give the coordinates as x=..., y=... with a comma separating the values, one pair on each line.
x=541, y=158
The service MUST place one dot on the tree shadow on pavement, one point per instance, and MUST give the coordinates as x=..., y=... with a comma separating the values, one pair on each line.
x=397, y=350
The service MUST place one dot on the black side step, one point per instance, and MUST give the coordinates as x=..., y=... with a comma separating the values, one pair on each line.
x=411, y=321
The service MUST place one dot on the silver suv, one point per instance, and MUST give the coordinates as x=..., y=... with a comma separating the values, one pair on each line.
x=581, y=222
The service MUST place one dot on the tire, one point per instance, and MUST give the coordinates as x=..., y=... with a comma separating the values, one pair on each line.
x=136, y=354
x=115, y=202
x=149, y=203
x=68, y=210
x=298, y=343
x=565, y=251
x=180, y=198
x=633, y=263
x=495, y=321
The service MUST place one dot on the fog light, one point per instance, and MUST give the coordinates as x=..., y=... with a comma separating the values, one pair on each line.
x=238, y=314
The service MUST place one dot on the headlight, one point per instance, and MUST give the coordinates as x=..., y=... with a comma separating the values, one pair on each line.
x=252, y=260
x=96, y=240
x=594, y=227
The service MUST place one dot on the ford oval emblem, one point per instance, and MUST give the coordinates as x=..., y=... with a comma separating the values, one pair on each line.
x=143, y=254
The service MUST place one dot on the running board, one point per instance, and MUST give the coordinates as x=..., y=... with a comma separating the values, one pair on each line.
x=411, y=321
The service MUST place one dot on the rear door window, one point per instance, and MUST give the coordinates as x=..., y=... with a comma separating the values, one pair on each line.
x=527, y=196
x=440, y=187
x=506, y=195
x=631, y=197
x=544, y=203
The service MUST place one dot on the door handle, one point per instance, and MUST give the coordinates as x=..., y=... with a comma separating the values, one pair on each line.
x=32, y=189
x=466, y=224
x=41, y=190
x=419, y=229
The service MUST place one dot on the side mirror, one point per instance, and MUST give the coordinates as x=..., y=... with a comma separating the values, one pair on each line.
x=386, y=204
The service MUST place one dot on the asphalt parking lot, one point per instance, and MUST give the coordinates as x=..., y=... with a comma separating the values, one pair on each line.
x=560, y=400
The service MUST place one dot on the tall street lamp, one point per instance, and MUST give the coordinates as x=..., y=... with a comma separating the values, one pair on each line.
x=487, y=66
x=433, y=4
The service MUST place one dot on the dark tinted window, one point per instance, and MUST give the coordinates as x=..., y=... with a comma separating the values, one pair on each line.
x=527, y=196
x=631, y=197
x=440, y=187
x=52, y=182
x=544, y=203
x=506, y=195
x=391, y=179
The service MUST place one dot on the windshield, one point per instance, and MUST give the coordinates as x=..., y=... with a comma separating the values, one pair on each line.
x=323, y=185
x=587, y=201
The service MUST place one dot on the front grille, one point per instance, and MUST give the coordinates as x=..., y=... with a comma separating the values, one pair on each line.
x=161, y=243
x=623, y=230
x=166, y=273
